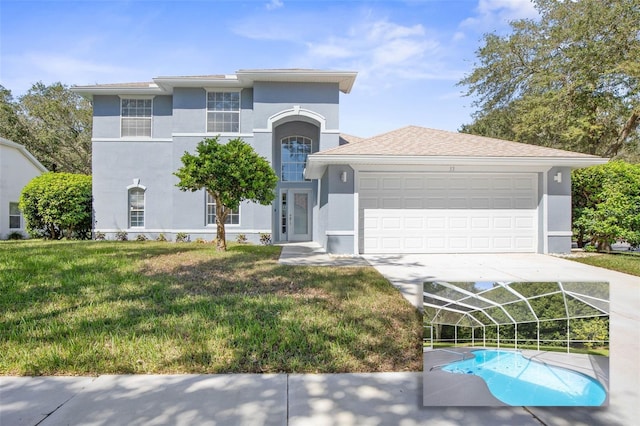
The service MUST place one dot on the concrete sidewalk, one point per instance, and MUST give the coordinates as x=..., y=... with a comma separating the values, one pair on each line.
x=235, y=399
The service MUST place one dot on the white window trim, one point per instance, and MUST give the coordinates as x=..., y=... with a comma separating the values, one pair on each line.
x=305, y=162
x=21, y=225
x=206, y=214
x=144, y=205
x=144, y=98
x=206, y=111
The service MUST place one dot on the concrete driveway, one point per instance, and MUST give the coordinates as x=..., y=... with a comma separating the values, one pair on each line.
x=408, y=272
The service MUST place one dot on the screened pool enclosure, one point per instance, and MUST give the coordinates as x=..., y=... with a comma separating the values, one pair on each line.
x=517, y=314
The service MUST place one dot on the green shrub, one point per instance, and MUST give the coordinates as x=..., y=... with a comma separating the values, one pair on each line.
x=57, y=205
x=141, y=237
x=161, y=237
x=122, y=236
x=606, y=204
x=100, y=236
x=265, y=239
x=241, y=239
x=15, y=235
x=182, y=237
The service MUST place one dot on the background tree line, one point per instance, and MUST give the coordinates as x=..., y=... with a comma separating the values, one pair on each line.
x=569, y=80
x=53, y=123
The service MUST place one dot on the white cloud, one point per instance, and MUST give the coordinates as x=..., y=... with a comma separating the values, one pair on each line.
x=274, y=4
x=513, y=9
x=58, y=67
x=493, y=14
x=381, y=50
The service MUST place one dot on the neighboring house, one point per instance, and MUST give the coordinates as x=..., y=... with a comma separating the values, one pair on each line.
x=17, y=168
x=410, y=190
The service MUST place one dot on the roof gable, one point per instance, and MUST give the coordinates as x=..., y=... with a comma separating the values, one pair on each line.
x=24, y=152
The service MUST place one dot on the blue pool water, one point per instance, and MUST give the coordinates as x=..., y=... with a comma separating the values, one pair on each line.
x=516, y=380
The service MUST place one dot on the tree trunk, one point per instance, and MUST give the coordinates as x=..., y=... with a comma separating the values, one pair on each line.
x=221, y=217
x=629, y=127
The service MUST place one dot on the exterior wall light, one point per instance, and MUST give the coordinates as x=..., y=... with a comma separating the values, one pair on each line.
x=558, y=177
x=343, y=177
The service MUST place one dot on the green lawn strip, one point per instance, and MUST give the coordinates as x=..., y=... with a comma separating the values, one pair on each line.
x=628, y=263
x=147, y=307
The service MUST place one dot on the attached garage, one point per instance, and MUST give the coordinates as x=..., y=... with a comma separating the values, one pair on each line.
x=448, y=212
x=418, y=190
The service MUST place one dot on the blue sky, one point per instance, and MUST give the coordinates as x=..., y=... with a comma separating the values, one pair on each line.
x=409, y=54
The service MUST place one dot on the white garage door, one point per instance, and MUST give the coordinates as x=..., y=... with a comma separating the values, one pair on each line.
x=447, y=213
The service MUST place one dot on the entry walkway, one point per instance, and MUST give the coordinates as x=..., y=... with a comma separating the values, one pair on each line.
x=312, y=254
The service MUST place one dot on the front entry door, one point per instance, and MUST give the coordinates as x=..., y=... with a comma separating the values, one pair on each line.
x=295, y=215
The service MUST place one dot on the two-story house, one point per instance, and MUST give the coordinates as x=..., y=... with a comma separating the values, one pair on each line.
x=412, y=190
x=141, y=130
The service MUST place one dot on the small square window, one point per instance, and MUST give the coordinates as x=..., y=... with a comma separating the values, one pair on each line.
x=223, y=112
x=136, y=117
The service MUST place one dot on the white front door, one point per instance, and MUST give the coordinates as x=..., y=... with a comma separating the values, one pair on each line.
x=295, y=215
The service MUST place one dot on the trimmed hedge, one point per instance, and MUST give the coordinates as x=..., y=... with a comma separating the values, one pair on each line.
x=57, y=205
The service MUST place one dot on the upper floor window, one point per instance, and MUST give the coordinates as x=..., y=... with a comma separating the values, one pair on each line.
x=136, y=117
x=233, y=218
x=136, y=208
x=294, y=152
x=223, y=112
x=15, y=216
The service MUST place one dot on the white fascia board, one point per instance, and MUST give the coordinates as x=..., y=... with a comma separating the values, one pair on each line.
x=316, y=164
x=90, y=91
x=207, y=82
x=344, y=79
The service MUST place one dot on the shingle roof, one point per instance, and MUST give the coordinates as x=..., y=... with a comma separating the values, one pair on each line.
x=421, y=141
x=346, y=138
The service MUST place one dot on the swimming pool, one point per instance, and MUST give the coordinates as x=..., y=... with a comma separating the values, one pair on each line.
x=516, y=380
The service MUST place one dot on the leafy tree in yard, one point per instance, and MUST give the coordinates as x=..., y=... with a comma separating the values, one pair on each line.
x=57, y=205
x=569, y=80
x=230, y=173
x=11, y=127
x=53, y=123
x=606, y=204
x=59, y=123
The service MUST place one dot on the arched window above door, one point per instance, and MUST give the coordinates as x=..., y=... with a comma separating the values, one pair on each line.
x=294, y=151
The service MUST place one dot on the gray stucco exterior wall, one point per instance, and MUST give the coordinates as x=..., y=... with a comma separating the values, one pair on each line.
x=559, y=209
x=178, y=125
x=339, y=227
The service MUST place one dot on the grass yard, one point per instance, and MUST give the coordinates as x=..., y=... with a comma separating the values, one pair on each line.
x=78, y=308
x=629, y=263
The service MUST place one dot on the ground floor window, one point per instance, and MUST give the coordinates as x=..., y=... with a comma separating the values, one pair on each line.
x=15, y=216
x=136, y=208
x=233, y=218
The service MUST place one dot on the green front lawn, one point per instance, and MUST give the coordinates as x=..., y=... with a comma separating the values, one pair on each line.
x=148, y=307
x=629, y=263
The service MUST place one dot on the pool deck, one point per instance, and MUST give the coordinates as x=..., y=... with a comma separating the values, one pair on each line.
x=466, y=390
